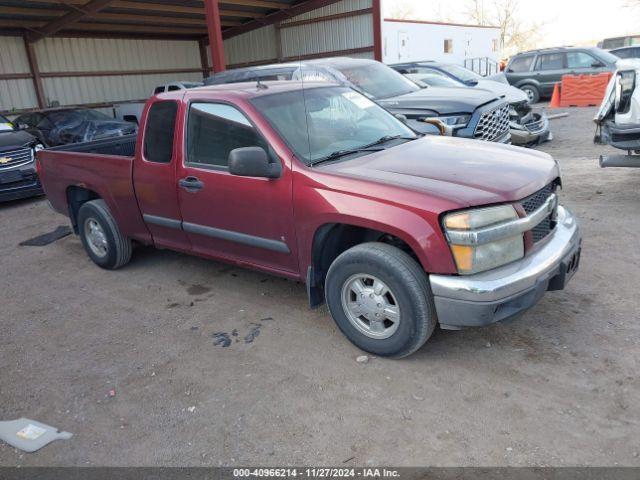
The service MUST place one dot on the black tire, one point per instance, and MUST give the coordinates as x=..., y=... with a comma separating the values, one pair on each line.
x=118, y=248
x=408, y=283
x=532, y=93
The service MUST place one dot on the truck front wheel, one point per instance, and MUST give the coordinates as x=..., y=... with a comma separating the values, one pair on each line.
x=100, y=236
x=380, y=299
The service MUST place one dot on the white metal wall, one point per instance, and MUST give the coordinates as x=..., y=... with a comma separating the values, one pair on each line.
x=93, y=55
x=19, y=93
x=256, y=46
x=331, y=35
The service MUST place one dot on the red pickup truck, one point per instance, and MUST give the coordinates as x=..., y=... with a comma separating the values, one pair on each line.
x=396, y=231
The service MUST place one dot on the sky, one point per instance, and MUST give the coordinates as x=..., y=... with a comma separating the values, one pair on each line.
x=565, y=22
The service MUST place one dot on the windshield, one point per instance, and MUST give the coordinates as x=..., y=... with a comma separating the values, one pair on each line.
x=5, y=124
x=460, y=73
x=74, y=116
x=335, y=119
x=434, y=80
x=379, y=81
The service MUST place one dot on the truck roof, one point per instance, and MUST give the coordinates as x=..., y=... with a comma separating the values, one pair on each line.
x=244, y=89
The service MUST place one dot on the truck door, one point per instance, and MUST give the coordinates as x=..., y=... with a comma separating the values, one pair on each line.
x=154, y=177
x=244, y=219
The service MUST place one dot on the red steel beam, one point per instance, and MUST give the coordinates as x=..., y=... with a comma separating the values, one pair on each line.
x=214, y=28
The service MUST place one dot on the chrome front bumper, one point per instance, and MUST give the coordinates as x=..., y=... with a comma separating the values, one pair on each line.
x=526, y=135
x=501, y=293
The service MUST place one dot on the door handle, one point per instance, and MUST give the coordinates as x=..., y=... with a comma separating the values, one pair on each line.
x=190, y=184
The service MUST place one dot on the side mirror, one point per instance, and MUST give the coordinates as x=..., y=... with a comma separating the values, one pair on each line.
x=253, y=162
x=597, y=65
x=22, y=126
x=472, y=83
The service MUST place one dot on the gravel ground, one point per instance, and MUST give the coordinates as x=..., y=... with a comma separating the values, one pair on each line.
x=558, y=386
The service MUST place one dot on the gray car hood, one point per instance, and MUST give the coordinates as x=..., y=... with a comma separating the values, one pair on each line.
x=511, y=94
x=441, y=101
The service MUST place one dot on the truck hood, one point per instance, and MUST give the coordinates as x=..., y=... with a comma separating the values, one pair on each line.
x=442, y=101
x=464, y=172
x=15, y=139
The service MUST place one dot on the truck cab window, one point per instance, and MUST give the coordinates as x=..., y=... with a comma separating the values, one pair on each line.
x=214, y=129
x=158, y=137
x=550, y=61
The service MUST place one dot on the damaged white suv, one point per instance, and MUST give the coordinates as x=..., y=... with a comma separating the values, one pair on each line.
x=618, y=118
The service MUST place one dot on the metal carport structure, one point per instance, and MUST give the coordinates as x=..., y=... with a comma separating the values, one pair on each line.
x=207, y=22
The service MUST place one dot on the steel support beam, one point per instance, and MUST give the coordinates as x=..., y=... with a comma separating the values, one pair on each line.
x=35, y=73
x=204, y=58
x=278, y=16
x=214, y=28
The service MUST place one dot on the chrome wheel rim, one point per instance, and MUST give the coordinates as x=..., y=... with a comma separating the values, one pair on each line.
x=370, y=305
x=96, y=238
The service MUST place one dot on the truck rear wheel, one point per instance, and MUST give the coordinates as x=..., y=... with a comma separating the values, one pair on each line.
x=100, y=236
x=380, y=299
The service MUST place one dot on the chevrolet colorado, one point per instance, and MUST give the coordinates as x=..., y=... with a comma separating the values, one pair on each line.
x=396, y=231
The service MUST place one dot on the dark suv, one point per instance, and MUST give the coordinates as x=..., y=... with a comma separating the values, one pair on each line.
x=536, y=72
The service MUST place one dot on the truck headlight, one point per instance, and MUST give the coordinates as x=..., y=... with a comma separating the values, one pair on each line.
x=456, y=121
x=471, y=257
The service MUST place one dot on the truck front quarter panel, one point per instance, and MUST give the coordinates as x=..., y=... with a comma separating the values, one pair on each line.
x=319, y=201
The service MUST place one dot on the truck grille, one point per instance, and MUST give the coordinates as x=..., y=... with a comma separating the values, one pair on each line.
x=493, y=124
x=535, y=201
x=13, y=158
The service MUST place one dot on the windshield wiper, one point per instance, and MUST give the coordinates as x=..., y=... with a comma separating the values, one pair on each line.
x=364, y=148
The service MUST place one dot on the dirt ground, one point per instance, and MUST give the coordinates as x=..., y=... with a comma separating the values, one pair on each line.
x=558, y=386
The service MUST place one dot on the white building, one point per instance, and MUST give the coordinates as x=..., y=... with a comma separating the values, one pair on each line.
x=413, y=40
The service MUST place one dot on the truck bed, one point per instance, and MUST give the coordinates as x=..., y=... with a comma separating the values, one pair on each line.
x=104, y=169
x=122, y=146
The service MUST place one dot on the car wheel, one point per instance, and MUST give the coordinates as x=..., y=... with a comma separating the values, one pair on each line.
x=100, y=236
x=380, y=299
x=533, y=95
